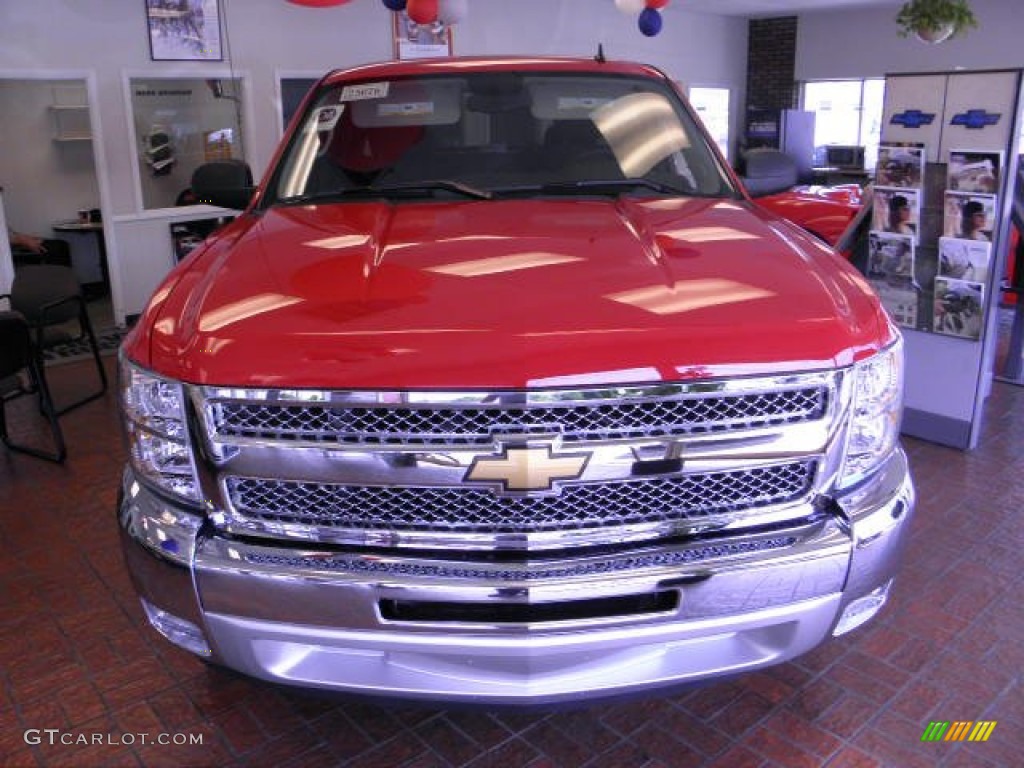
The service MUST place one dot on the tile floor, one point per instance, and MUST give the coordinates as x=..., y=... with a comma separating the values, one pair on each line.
x=76, y=655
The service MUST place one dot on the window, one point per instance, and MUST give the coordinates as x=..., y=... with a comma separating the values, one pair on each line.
x=181, y=123
x=712, y=107
x=847, y=112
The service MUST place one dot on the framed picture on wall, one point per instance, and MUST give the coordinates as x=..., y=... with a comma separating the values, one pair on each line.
x=184, y=30
x=419, y=41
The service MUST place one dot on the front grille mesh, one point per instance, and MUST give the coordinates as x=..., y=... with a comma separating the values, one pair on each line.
x=469, y=510
x=532, y=572
x=476, y=425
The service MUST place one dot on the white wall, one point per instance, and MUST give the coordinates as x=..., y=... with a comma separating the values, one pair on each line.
x=863, y=42
x=45, y=180
x=263, y=37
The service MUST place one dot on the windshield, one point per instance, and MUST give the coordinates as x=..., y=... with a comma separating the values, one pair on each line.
x=497, y=134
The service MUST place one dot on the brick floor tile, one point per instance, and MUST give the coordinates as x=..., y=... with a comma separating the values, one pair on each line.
x=512, y=752
x=779, y=750
x=850, y=757
x=441, y=736
x=299, y=743
x=708, y=701
x=803, y=733
x=701, y=736
x=240, y=730
x=738, y=757
x=847, y=716
x=23, y=758
x=174, y=708
x=487, y=731
x=743, y=713
x=341, y=734
x=814, y=698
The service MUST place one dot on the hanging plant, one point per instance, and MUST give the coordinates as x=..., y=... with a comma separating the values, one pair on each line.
x=933, y=21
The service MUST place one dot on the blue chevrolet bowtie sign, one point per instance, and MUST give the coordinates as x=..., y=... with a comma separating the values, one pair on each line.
x=975, y=119
x=913, y=118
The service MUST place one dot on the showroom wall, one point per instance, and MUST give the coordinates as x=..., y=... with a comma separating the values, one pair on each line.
x=268, y=36
x=863, y=42
x=107, y=43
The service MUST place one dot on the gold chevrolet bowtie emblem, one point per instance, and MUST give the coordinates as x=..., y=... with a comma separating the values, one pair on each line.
x=527, y=469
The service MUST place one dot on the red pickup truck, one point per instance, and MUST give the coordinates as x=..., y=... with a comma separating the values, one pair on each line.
x=501, y=389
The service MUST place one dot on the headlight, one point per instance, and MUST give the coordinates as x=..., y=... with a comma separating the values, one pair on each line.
x=876, y=411
x=158, y=441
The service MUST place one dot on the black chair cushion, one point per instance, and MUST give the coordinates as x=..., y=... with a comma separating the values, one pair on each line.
x=37, y=286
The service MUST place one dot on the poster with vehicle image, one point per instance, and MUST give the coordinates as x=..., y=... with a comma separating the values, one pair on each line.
x=891, y=259
x=896, y=211
x=969, y=216
x=958, y=308
x=900, y=165
x=900, y=303
x=969, y=171
x=964, y=259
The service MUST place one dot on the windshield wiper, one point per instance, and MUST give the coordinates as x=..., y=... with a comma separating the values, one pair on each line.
x=448, y=185
x=610, y=186
x=414, y=188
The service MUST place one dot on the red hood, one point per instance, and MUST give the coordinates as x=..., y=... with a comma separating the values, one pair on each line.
x=506, y=294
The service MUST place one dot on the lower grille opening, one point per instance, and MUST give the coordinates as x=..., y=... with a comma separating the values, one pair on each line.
x=530, y=613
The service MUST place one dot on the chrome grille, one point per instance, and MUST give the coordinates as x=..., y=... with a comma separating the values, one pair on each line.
x=468, y=510
x=532, y=572
x=454, y=424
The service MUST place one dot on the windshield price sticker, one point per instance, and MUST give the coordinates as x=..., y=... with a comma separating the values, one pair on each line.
x=406, y=110
x=327, y=117
x=572, y=103
x=365, y=91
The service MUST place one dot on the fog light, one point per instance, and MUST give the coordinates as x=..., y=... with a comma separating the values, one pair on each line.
x=183, y=634
x=862, y=609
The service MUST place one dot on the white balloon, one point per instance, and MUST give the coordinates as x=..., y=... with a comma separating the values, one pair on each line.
x=452, y=11
x=631, y=7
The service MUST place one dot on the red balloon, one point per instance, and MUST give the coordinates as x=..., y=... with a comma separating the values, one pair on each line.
x=318, y=3
x=422, y=11
x=656, y=3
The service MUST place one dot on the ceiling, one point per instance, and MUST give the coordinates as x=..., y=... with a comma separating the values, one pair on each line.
x=773, y=7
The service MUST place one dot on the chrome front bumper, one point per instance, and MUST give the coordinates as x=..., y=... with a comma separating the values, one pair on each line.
x=421, y=627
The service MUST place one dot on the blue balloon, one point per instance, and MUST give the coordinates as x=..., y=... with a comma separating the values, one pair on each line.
x=395, y=5
x=649, y=21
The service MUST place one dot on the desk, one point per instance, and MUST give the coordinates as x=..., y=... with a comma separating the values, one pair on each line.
x=87, y=228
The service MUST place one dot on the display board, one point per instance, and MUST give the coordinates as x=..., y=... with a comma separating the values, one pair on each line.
x=939, y=233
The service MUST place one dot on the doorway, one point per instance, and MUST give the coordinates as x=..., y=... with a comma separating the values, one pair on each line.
x=49, y=177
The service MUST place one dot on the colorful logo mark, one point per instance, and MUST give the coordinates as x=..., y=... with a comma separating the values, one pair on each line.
x=958, y=730
x=913, y=118
x=976, y=119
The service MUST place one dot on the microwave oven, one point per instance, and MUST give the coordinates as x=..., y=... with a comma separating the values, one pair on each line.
x=844, y=157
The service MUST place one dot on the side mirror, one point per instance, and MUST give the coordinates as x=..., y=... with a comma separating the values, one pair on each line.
x=227, y=183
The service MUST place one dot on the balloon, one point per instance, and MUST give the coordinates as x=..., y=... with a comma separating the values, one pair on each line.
x=452, y=11
x=630, y=7
x=649, y=22
x=394, y=5
x=657, y=4
x=422, y=11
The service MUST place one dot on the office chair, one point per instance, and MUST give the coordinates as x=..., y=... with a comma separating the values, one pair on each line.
x=18, y=359
x=50, y=299
x=54, y=252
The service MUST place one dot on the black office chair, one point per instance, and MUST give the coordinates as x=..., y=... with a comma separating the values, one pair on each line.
x=53, y=252
x=21, y=374
x=50, y=299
